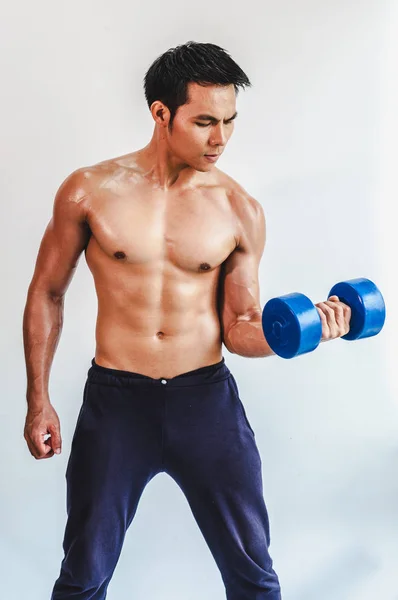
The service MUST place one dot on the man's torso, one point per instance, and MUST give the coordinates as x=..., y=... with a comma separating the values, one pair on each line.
x=157, y=261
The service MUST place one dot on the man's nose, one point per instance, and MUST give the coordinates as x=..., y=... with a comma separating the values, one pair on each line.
x=218, y=136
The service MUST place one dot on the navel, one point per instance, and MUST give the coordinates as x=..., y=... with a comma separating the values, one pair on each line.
x=204, y=267
x=160, y=335
x=119, y=254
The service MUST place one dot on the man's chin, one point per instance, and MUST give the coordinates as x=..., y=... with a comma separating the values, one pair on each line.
x=205, y=167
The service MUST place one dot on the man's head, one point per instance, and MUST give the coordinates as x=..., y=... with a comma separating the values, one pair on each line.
x=186, y=86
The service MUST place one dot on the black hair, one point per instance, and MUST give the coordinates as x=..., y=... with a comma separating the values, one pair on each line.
x=206, y=64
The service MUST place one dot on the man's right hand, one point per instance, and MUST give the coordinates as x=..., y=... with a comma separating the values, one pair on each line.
x=39, y=423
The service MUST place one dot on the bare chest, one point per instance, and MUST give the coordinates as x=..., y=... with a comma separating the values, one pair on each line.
x=194, y=231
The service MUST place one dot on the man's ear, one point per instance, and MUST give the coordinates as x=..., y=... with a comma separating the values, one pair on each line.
x=160, y=113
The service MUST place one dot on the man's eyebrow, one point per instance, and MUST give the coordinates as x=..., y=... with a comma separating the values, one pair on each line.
x=213, y=119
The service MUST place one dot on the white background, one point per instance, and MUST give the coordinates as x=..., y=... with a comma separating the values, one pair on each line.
x=315, y=143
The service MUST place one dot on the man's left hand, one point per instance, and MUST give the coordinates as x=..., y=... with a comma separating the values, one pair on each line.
x=335, y=317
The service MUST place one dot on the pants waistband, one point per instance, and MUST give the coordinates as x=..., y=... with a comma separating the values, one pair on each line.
x=117, y=377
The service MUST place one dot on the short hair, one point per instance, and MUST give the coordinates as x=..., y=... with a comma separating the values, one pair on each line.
x=206, y=64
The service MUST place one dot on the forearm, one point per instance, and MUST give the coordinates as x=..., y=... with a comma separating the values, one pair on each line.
x=42, y=326
x=246, y=338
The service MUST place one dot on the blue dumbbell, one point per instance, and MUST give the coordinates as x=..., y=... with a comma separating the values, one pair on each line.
x=292, y=324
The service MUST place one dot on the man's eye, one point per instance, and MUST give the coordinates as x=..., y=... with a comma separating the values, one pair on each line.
x=207, y=124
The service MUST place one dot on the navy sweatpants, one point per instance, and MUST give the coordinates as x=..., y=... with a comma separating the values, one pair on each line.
x=193, y=427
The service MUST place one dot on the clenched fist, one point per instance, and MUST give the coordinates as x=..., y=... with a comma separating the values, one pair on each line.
x=40, y=422
x=335, y=317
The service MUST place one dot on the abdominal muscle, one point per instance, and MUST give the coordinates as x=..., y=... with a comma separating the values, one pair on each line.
x=159, y=324
x=158, y=355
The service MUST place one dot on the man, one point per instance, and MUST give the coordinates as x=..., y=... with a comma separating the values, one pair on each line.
x=174, y=245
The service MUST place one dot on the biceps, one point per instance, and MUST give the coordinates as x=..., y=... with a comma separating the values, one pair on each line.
x=240, y=298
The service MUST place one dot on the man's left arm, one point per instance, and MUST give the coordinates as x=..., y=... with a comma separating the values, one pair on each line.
x=240, y=308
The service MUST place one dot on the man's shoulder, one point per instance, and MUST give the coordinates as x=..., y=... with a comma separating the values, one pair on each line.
x=95, y=173
x=248, y=211
x=84, y=181
x=241, y=200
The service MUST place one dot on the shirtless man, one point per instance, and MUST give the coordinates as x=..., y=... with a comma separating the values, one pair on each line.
x=174, y=245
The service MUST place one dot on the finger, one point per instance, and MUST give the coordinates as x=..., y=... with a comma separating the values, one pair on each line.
x=337, y=307
x=45, y=452
x=322, y=315
x=342, y=316
x=38, y=445
x=49, y=454
x=346, y=308
x=30, y=447
x=347, y=313
x=33, y=449
x=48, y=448
x=324, y=322
x=329, y=312
x=341, y=323
x=41, y=448
x=56, y=442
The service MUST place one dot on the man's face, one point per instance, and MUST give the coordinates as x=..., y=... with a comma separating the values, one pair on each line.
x=204, y=125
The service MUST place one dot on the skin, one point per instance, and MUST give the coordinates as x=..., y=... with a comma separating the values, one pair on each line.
x=174, y=246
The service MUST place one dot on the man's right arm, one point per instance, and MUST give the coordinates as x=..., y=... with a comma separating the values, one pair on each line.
x=64, y=240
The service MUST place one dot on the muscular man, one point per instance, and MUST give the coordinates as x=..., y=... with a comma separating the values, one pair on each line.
x=174, y=246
